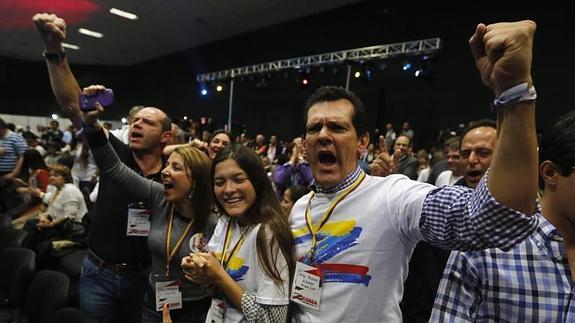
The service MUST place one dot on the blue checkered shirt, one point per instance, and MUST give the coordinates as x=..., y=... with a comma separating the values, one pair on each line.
x=530, y=283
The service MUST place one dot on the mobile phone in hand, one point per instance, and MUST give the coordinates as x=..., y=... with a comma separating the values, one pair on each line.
x=105, y=98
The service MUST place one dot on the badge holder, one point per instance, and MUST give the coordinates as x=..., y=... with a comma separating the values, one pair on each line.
x=138, y=222
x=306, y=288
x=167, y=291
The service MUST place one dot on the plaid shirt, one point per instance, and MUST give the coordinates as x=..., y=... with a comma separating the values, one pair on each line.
x=530, y=283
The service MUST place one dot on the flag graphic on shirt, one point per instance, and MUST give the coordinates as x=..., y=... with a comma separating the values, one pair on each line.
x=236, y=268
x=332, y=239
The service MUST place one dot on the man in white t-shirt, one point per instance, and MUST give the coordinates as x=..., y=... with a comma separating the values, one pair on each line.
x=355, y=233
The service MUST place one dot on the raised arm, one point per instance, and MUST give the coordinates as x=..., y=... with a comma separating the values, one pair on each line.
x=52, y=31
x=503, y=54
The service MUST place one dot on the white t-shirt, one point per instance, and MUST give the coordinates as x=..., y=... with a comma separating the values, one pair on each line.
x=246, y=269
x=364, y=248
x=446, y=178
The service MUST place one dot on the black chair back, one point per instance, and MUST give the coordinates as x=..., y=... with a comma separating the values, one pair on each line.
x=47, y=294
x=17, y=267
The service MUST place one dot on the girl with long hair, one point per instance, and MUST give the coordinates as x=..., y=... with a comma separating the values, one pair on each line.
x=251, y=262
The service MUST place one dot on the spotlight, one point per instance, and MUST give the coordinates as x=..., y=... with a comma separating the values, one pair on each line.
x=357, y=74
x=54, y=116
x=305, y=81
x=406, y=66
x=204, y=92
x=418, y=73
x=124, y=120
x=219, y=88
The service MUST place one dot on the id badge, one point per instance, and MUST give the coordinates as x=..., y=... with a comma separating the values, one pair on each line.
x=167, y=292
x=306, y=289
x=217, y=311
x=138, y=222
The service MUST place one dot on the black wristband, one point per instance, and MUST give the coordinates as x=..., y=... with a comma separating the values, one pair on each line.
x=54, y=57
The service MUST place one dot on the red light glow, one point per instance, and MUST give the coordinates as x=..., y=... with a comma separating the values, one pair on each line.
x=17, y=14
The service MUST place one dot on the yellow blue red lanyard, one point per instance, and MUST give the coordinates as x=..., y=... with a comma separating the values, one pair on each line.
x=312, y=230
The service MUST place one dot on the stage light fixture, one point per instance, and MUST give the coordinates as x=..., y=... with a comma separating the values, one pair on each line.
x=357, y=74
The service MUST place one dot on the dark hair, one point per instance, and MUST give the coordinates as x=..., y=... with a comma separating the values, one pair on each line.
x=558, y=145
x=265, y=210
x=63, y=171
x=476, y=124
x=335, y=93
x=2, y=123
x=31, y=160
x=197, y=166
x=219, y=131
x=297, y=191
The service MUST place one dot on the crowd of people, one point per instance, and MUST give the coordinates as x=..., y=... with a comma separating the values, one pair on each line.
x=327, y=227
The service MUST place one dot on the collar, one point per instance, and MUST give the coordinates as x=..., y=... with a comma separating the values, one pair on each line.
x=547, y=236
x=317, y=188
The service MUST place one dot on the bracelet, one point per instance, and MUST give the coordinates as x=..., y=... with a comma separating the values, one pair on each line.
x=516, y=94
x=54, y=57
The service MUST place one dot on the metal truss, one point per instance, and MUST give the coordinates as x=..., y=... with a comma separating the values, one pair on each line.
x=417, y=47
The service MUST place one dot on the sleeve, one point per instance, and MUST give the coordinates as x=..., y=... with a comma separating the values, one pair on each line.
x=282, y=174
x=268, y=291
x=110, y=165
x=305, y=172
x=20, y=146
x=411, y=169
x=255, y=312
x=71, y=206
x=459, y=218
x=458, y=296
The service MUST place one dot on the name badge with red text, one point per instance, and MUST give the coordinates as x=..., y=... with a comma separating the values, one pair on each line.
x=306, y=289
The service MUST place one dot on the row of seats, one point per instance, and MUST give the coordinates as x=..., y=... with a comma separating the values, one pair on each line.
x=30, y=296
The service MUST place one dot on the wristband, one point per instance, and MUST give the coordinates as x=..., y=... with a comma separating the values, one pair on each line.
x=516, y=94
x=54, y=57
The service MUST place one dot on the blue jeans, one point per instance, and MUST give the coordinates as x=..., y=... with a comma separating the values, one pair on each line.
x=112, y=297
x=191, y=312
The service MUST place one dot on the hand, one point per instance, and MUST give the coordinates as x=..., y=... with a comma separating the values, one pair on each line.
x=2, y=151
x=91, y=117
x=203, y=269
x=503, y=53
x=166, y=318
x=384, y=164
x=52, y=30
x=44, y=223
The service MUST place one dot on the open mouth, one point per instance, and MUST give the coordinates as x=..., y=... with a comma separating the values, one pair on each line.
x=474, y=173
x=232, y=200
x=168, y=186
x=136, y=135
x=326, y=157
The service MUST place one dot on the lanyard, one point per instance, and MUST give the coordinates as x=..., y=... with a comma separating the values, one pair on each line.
x=327, y=214
x=224, y=262
x=170, y=255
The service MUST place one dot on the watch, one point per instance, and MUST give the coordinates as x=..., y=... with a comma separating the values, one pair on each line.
x=54, y=57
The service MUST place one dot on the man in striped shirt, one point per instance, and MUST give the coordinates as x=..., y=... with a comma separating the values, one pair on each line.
x=12, y=148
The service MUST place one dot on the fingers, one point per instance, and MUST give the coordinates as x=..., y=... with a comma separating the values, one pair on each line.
x=166, y=314
x=476, y=42
x=382, y=145
x=396, y=156
x=93, y=89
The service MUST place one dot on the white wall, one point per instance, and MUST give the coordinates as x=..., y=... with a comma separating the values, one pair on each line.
x=32, y=121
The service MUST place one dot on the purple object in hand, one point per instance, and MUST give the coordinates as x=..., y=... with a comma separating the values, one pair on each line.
x=88, y=103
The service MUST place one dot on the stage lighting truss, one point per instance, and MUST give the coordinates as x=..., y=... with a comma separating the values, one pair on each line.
x=409, y=48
